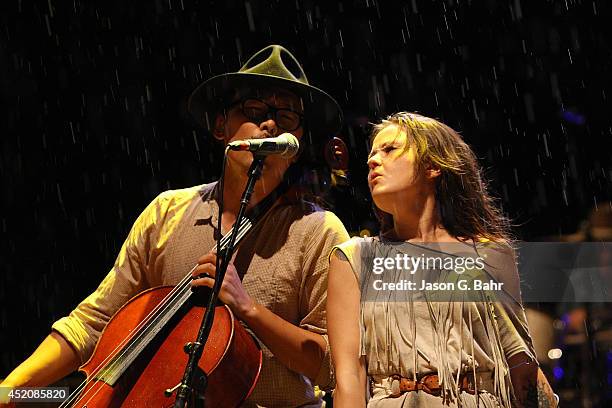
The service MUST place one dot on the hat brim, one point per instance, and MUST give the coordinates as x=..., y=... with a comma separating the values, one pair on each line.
x=322, y=114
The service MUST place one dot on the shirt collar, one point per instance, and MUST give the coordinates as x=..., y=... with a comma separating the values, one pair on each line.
x=208, y=210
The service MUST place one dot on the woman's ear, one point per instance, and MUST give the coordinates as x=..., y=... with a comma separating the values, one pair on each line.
x=432, y=172
x=219, y=128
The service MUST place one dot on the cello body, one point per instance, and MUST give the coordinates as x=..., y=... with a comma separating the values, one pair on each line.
x=231, y=358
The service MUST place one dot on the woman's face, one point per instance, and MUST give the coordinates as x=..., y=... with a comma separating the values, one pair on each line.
x=393, y=178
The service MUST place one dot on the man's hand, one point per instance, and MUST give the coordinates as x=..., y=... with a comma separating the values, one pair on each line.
x=232, y=292
x=298, y=349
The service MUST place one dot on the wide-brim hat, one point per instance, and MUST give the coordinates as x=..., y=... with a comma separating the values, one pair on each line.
x=271, y=67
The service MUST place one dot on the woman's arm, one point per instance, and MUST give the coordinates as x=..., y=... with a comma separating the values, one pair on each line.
x=343, y=330
x=531, y=388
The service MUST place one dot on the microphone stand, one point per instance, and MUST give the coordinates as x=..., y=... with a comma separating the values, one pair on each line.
x=195, y=349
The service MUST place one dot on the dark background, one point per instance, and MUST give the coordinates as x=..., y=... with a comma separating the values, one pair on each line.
x=93, y=120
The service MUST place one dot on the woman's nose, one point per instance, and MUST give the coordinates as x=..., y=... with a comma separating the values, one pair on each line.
x=373, y=161
x=270, y=126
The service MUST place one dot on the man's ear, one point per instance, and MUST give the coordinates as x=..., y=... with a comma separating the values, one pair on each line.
x=295, y=158
x=219, y=128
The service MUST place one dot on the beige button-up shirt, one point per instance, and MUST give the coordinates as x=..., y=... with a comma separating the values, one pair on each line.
x=283, y=264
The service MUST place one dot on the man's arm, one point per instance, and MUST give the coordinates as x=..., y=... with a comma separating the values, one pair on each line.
x=52, y=360
x=531, y=388
x=60, y=354
x=298, y=349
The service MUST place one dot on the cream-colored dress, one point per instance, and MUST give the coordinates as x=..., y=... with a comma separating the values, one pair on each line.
x=413, y=333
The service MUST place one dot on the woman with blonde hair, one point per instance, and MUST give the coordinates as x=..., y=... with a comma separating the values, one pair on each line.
x=396, y=345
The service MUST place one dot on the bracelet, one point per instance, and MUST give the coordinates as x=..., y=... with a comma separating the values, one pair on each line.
x=520, y=364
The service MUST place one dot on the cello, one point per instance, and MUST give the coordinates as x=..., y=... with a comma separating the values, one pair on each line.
x=146, y=367
x=140, y=357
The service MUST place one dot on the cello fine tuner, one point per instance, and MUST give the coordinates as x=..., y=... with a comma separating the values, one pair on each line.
x=169, y=391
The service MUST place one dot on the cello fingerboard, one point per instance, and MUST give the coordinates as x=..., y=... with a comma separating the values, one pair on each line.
x=111, y=373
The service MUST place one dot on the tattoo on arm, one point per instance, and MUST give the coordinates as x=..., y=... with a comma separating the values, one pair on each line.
x=546, y=396
x=538, y=395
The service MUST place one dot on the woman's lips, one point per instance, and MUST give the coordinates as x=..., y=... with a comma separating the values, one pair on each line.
x=373, y=176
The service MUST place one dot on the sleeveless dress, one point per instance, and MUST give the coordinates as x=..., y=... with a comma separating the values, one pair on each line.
x=413, y=333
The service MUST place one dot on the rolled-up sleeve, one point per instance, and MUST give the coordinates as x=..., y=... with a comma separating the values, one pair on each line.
x=128, y=276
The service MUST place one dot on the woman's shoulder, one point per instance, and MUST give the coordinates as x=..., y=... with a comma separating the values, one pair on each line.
x=354, y=243
x=486, y=244
x=499, y=247
x=353, y=249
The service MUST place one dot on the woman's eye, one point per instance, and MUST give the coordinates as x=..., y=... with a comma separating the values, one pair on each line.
x=387, y=149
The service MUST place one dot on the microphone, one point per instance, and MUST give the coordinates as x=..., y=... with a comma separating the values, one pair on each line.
x=285, y=145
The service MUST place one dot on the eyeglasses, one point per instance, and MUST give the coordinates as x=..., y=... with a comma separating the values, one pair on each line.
x=257, y=111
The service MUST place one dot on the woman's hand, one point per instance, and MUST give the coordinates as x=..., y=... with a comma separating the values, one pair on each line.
x=531, y=388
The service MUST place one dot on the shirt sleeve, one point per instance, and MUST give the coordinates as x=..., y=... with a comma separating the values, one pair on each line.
x=128, y=276
x=350, y=251
x=327, y=233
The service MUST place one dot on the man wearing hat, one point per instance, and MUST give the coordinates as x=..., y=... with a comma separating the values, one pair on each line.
x=276, y=283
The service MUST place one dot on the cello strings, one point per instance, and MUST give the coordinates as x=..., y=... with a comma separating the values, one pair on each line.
x=119, y=351
x=133, y=336
x=138, y=332
x=183, y=285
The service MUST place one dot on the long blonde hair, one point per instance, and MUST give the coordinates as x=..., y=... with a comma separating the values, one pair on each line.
x=465, y=206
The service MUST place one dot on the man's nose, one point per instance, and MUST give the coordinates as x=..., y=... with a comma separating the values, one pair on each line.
x=270, y=126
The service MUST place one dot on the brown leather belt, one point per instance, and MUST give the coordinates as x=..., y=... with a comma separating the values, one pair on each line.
x=428, y=383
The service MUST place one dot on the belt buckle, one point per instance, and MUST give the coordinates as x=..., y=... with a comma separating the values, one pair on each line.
x=427, y=387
